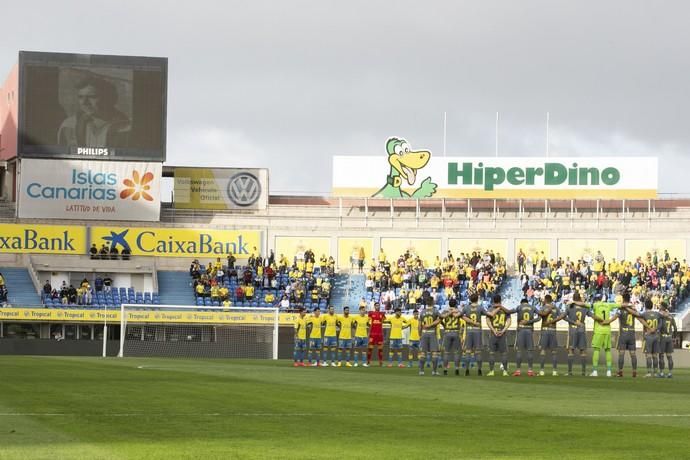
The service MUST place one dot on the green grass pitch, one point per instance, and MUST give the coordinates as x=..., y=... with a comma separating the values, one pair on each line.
x=180, y=408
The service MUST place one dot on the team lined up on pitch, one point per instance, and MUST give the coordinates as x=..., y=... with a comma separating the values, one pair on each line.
x=455, y=336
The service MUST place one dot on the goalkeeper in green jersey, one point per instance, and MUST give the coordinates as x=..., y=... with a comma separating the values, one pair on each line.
x=603, y=314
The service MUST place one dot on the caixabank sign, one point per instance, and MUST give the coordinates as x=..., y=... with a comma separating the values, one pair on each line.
x=93, y=190
x=406, y=172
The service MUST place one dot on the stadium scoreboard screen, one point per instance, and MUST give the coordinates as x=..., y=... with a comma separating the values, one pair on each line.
x=92, y=106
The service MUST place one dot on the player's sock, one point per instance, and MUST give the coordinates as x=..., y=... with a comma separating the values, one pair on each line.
x=554, y=358
x=649, y=364
x=456, y=361
x=609, y=359
x=595, y=358
x=633, y=361
x=434, y=363
x=478, y=358
x=655, y=363
x=422, y=361
x=661, y=362
x=621, y=360
x=473, y=360
x=530, y=359
x=463, y=361
x=380, y=350
x=369, y=350
x=518, y=360
x=571, y=359
x=542, y=360
x=583, y=362
x=492, y=362
x=670, y=363
x=504, y=361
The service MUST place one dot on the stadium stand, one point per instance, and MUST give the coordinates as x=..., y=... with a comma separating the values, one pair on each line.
x=20, y=288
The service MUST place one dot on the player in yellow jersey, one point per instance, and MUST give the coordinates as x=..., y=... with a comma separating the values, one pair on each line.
x=330, y=335
x=395, y=337
x=315, y=322
x=361, y=336
x=345, y=321
x=300, y=338
x=413, y=349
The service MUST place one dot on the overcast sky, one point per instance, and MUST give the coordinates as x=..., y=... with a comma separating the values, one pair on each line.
x=288, y=84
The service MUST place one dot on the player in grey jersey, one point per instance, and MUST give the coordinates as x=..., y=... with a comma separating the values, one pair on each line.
x=575, y=316
x=626, y=315
x=550, y=316
x=651, y=320
x=524, y=341
x=668, y=328
x=472, y=315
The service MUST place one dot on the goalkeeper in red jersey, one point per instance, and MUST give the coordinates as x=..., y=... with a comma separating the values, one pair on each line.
x=376, y=332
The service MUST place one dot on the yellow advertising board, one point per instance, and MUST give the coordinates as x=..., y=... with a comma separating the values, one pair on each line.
x=42, y=239
x=143, y=316
x=348, y=251
x=426, y=248
x=181, y=242
x=292, y=246
x=533, y=248
x=576, y=249
x=467, y=245
x=640, y=248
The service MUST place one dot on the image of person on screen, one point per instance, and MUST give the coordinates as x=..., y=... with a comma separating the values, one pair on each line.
x=97, y=123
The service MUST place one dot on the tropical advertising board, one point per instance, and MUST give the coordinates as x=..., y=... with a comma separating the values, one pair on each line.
x=226, y=188
x=93, y=190
x=406, y=172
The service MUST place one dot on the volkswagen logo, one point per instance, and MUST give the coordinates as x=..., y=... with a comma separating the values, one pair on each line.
x=244, y=189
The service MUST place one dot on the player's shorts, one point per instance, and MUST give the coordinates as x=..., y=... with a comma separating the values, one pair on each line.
x=666, y=345
x=315, y=343
x=376, y=340
x=626, y=341
x=395, y=344
x=525, y=339
x=548, y=340
x=414, y=344
x=300, y=344
x=345, y=343
x=330, y=342
x=651, y=344
x=451, y=342
x=429, y=343
x=361, y=342
x=473, y=339
x=577, y=340
x=498, y=344
x=601, y=341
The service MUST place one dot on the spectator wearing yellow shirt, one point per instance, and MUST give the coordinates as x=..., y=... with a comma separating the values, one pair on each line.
x=249, y=292
x=199, y=290
x=215, y=292
x=269, y=298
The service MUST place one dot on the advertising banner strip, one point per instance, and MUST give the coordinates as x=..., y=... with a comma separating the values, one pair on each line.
x=222, y=189
x=42, y=239
x=89, y=190
x=188, y=242
x=136, y=316
x=406, y=176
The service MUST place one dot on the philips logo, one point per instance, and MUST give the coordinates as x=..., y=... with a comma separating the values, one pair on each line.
x=92, y=151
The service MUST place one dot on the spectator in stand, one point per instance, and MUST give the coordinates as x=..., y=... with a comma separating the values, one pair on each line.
x=249, y=292
x=98, y=284
x=114, y=253
x=126, y=252
x=107, y=284
x=269, y=298
x=284, y=302
x=47, y=289
x=93, y=252
x=199, y=290
x=215, y=293
x=103, y=253
x=239, y=293
x=231, y=261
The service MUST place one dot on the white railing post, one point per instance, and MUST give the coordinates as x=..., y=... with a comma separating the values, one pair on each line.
x=276, y=326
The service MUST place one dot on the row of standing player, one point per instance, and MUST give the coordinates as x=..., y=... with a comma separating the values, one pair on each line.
x=462, y=329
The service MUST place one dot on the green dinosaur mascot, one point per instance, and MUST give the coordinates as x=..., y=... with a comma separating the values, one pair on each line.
x=404, y=166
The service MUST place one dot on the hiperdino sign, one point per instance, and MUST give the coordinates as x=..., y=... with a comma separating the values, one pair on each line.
x=418, y=174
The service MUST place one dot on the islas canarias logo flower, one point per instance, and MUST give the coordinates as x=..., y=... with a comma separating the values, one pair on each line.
x=137, y=186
